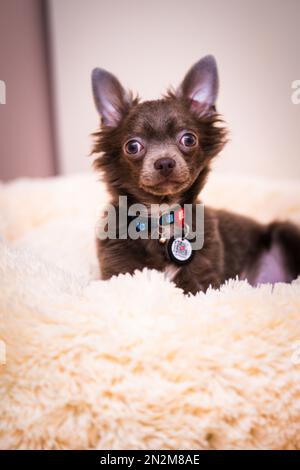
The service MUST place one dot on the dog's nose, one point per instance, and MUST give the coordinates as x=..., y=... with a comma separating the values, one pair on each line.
x=165, y=165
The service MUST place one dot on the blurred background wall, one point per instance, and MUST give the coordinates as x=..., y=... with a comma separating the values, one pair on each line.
x=149, y=46
x=26, y=137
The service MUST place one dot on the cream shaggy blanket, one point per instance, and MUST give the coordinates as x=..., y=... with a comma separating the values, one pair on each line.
x=132, y=363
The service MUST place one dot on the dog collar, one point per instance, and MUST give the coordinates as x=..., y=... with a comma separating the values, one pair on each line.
x=178, y=249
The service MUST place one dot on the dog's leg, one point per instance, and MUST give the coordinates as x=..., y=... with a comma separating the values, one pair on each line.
x=118, y=257
x=192, y=281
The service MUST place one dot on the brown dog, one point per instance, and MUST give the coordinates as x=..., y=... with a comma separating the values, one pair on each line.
x=160, y=151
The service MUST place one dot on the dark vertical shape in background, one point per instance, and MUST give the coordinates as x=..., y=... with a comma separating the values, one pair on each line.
x=50, y=82
x=26, y=127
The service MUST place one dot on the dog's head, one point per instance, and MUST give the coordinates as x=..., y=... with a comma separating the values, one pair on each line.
x=158, y=150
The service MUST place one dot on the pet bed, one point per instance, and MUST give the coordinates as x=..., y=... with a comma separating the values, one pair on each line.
x=132, y=363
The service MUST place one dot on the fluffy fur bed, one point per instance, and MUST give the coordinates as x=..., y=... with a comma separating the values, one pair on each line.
x=132, y=363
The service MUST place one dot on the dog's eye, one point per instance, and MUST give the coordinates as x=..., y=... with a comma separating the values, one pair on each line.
x=133, y=147
x=188, y=140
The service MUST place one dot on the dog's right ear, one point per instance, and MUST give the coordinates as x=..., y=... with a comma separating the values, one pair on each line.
x=110, y=97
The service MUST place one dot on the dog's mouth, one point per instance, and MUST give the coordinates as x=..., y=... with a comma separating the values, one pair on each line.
x=165, y=187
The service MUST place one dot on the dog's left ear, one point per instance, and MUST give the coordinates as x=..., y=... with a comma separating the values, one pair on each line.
x=200, y=85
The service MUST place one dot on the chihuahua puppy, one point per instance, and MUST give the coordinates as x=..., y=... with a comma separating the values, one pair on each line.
x=160, y=151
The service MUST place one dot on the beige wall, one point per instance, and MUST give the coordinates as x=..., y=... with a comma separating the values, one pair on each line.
x=150, y=45
x=26, y=140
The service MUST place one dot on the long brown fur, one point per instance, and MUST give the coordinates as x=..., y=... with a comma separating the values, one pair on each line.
x=233, y=245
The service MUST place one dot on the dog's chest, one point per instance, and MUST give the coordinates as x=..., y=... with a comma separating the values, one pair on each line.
x=157, y=258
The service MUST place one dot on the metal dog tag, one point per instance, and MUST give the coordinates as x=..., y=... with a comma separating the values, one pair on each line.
x=180, y=250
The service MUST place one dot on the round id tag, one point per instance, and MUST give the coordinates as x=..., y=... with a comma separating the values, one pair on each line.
x=180, y=250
